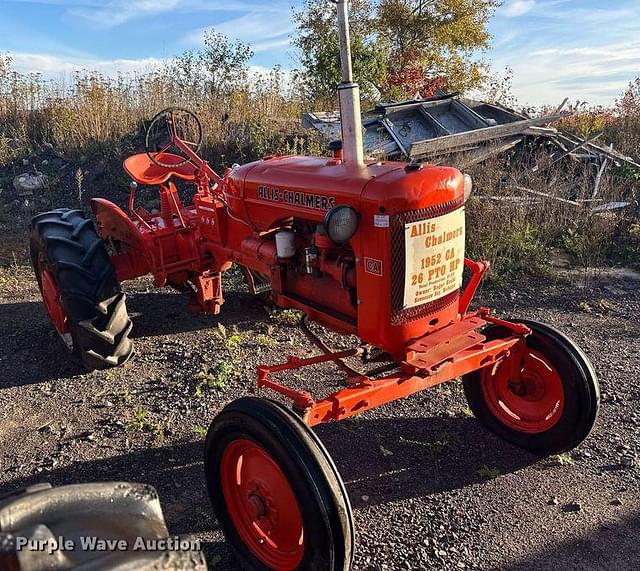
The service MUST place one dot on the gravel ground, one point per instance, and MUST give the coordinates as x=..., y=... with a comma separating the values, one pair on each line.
x=429, y=486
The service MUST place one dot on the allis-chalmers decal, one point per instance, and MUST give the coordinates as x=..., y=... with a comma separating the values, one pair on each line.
x=434, y=254
x=295, y=198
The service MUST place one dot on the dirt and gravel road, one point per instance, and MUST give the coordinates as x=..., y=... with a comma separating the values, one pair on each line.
x=430, y=488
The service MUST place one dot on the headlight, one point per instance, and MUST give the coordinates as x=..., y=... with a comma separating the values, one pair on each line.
x=341, y=223
x=468, y=186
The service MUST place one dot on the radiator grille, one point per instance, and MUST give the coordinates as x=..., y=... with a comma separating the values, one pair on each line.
x=398, y=221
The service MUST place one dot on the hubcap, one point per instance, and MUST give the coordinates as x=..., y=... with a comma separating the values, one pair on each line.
x=53, y=304
x=262, y=505
x=533, y=403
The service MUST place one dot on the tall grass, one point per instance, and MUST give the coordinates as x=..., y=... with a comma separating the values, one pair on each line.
x=244, y=118
x=248, y=116
x=520, y=215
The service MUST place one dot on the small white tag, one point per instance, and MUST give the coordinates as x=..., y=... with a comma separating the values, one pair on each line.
x=381, y=220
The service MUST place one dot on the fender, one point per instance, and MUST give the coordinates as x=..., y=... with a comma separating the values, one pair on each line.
x=114, y=223
x=134, y=258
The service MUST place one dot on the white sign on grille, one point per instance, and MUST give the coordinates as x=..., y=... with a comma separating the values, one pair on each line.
x=434, y=258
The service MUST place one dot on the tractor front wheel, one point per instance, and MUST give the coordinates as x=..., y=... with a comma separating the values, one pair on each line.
x=275, y=490
x=80, y=289
x=551, y=402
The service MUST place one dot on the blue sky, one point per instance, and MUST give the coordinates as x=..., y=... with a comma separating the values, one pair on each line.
x=582, y=49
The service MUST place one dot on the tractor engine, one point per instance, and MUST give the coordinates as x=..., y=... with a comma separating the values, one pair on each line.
x=375, y=250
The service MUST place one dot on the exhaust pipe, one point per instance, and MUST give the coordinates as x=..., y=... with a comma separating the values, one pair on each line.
x=349, y=94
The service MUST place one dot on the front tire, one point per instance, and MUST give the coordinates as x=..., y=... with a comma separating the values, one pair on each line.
x=80, y=289
x=552, y=408
x=275, y=490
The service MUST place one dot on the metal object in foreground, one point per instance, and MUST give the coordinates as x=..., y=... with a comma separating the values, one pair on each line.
x=115, y=526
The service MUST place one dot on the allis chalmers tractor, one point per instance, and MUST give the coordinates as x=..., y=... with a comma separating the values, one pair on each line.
x=373, y=249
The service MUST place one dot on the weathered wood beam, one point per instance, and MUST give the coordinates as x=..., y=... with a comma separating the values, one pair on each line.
x=485, y=152
x=603, y=167
x=576, y=147
x=546, y=195
x=440, y=145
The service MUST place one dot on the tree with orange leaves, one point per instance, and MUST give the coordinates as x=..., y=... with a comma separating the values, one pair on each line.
x=399, y=47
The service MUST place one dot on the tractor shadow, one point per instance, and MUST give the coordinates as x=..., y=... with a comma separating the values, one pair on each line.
x=176, y=472
x=31, y=352
x=611, y=546
x=164, y=312
x=370, y=456
x=390, y=459
x=381, y=461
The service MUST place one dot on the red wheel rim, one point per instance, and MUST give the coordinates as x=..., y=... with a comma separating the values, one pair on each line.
x=533, y=404
x=262, y=505
x=53, y=304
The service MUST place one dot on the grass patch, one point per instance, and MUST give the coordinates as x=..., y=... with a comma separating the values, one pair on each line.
x=125, y=395
x=112, y=375
x=488, y=473
x=285, y=317
x=600, y=305
x=215, y=378
x=17, y=280
x=466, y=412
x=201, y=431
x=227, y=339
x=563, y=459
x=267, y=341
x=143, y=421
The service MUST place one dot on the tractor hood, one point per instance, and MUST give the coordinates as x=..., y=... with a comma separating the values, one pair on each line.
x=269, y=192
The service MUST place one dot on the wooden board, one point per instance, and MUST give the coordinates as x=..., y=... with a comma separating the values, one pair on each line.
x=471, y=138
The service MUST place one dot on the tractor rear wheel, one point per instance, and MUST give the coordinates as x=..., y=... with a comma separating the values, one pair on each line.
x=276, y=491
x=80, y=289
x=554, y=405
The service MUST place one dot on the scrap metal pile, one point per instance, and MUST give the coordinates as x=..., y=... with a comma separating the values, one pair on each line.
x=453, y=129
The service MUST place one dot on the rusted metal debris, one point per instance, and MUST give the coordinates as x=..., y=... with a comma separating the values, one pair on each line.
x=428, y=128
x=466, y=132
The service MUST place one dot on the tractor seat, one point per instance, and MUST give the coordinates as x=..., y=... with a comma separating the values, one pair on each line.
x=144, y=171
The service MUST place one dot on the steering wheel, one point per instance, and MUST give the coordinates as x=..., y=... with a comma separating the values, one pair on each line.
x=174, y=130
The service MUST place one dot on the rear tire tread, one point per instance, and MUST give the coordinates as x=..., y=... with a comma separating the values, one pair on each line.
x=66, y=243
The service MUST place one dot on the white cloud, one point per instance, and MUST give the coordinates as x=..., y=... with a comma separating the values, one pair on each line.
x=597, y=74
x=118, y=12
x=262, y=71
x=269, y=45
x=111, y=13
x=264, y=31
x=569, y=49
x=54, y=67
x=516, y=8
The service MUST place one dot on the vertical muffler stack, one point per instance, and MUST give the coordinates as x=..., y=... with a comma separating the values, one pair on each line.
x=349, y=94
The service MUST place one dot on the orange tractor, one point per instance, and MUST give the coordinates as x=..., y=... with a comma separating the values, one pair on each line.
x=373, y=249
